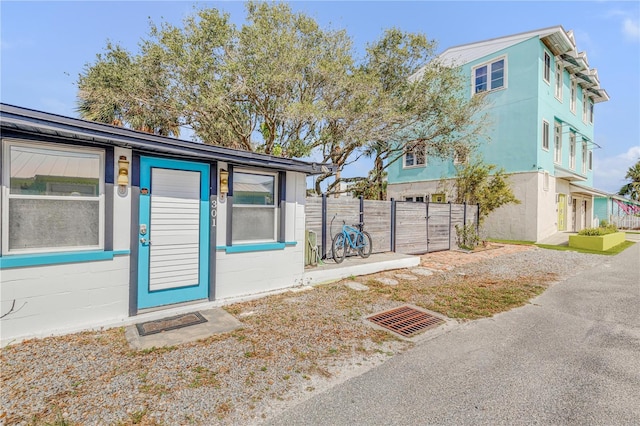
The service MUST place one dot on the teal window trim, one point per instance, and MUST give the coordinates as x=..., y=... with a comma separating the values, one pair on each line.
x=246, y=248
x=25, y=260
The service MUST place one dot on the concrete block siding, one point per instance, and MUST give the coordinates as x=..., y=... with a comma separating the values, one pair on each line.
x=55, y=298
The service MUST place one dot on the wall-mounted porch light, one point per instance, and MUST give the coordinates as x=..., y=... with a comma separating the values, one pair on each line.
x=224, y=184
x=123, y=175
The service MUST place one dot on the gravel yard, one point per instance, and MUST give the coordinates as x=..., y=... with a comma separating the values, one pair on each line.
x=292, y=345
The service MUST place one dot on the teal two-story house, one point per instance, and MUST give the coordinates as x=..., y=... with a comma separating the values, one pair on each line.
x=541, y=94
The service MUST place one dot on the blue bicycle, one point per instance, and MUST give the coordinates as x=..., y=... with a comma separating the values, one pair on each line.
x=351, y=238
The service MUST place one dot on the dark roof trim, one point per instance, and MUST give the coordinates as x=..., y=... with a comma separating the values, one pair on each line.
x=24, y=120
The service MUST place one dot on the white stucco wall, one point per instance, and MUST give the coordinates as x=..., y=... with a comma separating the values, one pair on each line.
x=547, y=209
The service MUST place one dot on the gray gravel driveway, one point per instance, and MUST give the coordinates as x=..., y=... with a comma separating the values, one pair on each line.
x=570, y=357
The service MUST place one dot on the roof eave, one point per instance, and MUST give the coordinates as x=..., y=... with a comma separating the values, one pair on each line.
x=34, y=122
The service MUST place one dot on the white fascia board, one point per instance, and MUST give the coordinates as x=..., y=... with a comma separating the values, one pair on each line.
x=463, y=54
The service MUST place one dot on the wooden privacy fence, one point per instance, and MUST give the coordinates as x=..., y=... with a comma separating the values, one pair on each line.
x=399, y=226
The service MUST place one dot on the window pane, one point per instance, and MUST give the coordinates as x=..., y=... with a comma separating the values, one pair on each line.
x=497, y=74
x=53, y=223
x=547, y=66
x=545, y=135
x=481, y=79
x=253, y=189
x=421, y=156
x=408, y=159
x=38, y=171
x=253, y=223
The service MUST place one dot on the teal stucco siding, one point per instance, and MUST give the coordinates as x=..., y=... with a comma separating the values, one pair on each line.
x=514, y=120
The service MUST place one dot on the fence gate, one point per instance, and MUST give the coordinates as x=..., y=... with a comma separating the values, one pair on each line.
x=410, y=227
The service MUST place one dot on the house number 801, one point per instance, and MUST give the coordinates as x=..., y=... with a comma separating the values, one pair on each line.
x=214, y=212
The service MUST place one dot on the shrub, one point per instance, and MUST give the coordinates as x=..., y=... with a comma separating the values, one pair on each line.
x=601, y=230
x=467, y=237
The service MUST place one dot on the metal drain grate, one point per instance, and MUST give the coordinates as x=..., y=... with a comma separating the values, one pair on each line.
x=406, y=321
x=171, y=323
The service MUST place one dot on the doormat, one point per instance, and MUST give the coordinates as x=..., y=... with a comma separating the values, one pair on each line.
x=171, y=323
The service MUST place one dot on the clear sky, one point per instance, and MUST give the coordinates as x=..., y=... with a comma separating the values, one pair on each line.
x=45, y=45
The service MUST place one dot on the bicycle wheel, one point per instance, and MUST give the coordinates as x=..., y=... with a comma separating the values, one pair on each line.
x=364, y=244
x=338, y=248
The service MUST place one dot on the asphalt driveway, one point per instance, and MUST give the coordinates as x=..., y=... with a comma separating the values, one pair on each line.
x=570, y=357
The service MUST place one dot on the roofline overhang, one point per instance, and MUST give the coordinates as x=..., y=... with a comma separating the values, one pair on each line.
x=37, y=123
x=558, y=41
x=570, y=175
x=579, y=189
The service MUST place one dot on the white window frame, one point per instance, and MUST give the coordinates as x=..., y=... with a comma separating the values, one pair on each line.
x=6, y=195
x=559, y=83
x=584, y=156
x=545, y=135
x=489, y=66
x=546, y=67
x=572, y=150
x=584, y=107
x=591, y=107
x=275, y=207
x=460, y=157
x=412, y=154
x=557, y=143
x=545, y=181
x=590, y=161
x=574, y=96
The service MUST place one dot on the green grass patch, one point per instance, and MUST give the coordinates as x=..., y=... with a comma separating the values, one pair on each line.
x=480, y=299
x=612, y=251
x=515, y=242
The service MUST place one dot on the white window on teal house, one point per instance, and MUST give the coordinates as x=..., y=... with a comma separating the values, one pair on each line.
x=572, y=150
x=547, y=67
x=545, y=135
x=574, y=96
x=460, y=156
x=584, y=157
x=55, y=199
x=584, y=107
x=254, y=217
x=415, y=156
x=590, y=160
x=557, y=143
x=558, y=91
x=590, y=111
x=490, y=76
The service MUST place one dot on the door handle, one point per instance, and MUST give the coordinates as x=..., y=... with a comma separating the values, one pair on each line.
x=144, y=241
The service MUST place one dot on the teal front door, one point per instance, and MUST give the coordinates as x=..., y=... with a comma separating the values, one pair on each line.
x=173, y=237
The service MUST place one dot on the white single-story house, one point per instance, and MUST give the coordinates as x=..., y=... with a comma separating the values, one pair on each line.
x=103, y=225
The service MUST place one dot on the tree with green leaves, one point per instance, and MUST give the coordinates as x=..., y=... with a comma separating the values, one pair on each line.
x=410, y=100
x=632, y=188
x=126, y=90
x=479, y=183
x=256, y=88
x=282, y=85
